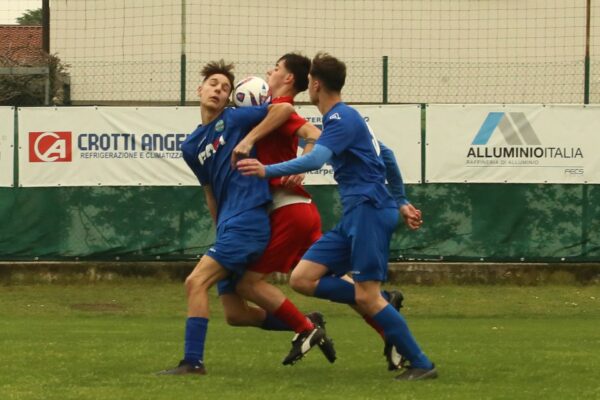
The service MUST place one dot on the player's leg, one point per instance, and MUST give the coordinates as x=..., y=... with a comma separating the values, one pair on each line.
x=254, y=287
x=394, y=359
x=239, y=313
x=319, y=272
x=240, y=240
x=370, y=252
x=293, y=229
x=396, y=330
x=206, y=273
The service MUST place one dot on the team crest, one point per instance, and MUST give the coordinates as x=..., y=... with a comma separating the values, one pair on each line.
x=220, y=126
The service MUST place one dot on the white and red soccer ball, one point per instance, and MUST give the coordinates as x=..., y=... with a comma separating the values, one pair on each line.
x=251, y=91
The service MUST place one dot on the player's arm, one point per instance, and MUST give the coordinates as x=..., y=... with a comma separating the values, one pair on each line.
x=309, y=133
x=411, y=215
x=308, y=162
x=277, y=115
x=211, y=203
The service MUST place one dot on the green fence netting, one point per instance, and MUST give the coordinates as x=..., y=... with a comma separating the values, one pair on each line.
x=463, y=222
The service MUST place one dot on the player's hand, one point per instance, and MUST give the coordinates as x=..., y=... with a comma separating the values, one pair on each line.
x=412, y=216
x=251, y=167
x=242, y=150
x=292, y=180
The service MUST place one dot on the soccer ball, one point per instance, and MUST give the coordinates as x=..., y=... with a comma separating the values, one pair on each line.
x=251, y=91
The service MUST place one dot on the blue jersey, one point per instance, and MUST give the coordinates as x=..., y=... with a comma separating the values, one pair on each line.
x=357, y=167
x=207, y=151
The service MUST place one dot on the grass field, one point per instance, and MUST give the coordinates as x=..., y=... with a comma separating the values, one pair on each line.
x=105, y=341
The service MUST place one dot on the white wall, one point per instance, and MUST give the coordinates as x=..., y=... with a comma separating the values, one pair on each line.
x=456, y=51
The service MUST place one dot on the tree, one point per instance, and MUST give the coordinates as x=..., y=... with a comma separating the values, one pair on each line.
x=31, y=17
x=29, y=90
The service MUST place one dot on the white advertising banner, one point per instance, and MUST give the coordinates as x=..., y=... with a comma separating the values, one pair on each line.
x=116, y=146
x=126, y=146
x=396, y=126
x=7, y=137
x=513, y=143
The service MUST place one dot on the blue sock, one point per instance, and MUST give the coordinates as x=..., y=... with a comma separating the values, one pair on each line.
x=272, y=323
x=195, y=335
x=335, y=289
x=396, y=330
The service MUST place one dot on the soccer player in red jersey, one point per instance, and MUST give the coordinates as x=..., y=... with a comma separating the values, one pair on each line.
x=295, y=223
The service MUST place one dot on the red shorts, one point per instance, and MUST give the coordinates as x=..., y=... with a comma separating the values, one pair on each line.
x=294, y=228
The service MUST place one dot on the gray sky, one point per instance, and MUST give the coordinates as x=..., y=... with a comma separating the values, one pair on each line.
x=11, y=9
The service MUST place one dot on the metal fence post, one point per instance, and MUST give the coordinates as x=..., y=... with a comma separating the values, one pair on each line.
x=183, y=59
x=385, y=79
x=586, y=78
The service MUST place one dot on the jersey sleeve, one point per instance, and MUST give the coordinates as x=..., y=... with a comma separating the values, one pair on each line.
x=290, y=127
x=335, y=136
x=393, y=175
x=248, y=117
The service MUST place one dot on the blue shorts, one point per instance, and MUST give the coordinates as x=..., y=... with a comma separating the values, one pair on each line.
x=240, y=241
x=359, y=243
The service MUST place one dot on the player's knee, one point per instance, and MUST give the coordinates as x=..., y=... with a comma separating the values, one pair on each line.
x=194, y=283
x=367, y=303
x=234, y=319
x=363, y=300
x=300, y=284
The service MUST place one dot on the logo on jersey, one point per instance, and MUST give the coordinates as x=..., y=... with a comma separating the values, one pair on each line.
x=210, y=149
x=219, y=126
x=50, y=147
x=335, y=116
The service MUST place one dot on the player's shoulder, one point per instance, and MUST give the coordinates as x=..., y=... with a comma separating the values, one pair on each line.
x=196, y=133
x=342, y=114
x=238, y=111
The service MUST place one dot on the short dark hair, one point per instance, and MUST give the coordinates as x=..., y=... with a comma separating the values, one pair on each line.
x=329, y=70
x=218, y=67
x=299, y=66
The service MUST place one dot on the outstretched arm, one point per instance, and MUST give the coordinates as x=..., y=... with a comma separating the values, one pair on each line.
x=308, y=162
x=277, y=115
x=309, y=133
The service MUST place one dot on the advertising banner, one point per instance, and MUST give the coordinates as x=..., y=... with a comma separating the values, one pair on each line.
x=107, y=146
x=125, y=146
x=513, y=143
x=7, y=151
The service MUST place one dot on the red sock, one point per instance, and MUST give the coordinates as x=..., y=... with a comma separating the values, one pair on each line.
x=374, y=325
x=288, y=313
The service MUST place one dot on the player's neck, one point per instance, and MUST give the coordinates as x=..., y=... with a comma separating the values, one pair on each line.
x=284, y=92
x=327, y=101
x=208, y=115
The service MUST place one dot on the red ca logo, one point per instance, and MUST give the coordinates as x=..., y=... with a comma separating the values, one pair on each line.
x=49, y=146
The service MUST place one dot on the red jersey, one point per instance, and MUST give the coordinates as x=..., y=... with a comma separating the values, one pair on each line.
x=281, y=145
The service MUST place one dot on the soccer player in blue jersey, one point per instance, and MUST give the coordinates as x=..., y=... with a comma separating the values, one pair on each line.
x=359, y=243
x=236, y=203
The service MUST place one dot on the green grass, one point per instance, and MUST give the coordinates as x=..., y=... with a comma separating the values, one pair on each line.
x=105, y=341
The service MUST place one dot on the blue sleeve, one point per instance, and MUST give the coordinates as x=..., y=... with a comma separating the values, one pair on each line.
x=393, y=175
x=308, y=162
x=248, y=117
